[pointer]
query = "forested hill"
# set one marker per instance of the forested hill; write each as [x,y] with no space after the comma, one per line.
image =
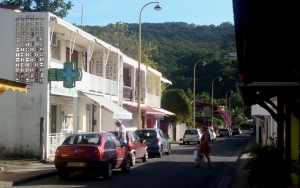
[180,46]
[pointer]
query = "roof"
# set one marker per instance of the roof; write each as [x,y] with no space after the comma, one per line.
[11,7]
[263,45]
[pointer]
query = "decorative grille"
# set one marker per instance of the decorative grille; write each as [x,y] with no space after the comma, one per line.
[55,53]
[29,50]
[111,68]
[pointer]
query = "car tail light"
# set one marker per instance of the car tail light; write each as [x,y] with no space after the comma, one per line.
[57,153]
[184,136]
[97,153]
[156,141]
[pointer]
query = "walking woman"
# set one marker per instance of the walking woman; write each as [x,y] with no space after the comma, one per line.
[204,147]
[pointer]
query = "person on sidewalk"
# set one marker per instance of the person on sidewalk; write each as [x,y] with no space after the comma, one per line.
[121,132]
[204,148]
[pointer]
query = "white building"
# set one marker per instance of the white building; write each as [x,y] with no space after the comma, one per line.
[33,44]
[266,127]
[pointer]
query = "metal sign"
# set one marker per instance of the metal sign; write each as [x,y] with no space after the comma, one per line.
[69,74]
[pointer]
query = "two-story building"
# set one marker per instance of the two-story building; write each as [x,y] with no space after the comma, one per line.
[33,45]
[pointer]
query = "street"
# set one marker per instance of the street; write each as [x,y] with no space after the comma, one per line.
[175,170]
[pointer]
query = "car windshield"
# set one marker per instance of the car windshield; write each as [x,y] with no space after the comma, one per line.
[82,139]
[223,129]
[191,132]
[146,133]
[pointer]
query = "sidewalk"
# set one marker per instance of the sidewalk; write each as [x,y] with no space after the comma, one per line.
[41,170]
[28,173]
[239,177]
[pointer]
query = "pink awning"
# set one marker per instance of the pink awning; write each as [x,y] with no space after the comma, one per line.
[145,110]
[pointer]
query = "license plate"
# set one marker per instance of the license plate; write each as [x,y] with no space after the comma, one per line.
[76,164]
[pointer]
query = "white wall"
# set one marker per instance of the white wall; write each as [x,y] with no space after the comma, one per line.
[20,113]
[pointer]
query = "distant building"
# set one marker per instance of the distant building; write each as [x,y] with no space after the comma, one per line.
[231,55]
[226,23]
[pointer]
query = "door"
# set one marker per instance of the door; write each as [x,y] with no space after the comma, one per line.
[74,56]
[135,144]
[110,149]
[120,151]
[53,118]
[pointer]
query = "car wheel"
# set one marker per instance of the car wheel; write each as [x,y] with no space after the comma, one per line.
[126,167]
[108,172]
[188,143]
[160,151]
[169,150]
[183,143]
[63,174]
[132,163]
[145,158]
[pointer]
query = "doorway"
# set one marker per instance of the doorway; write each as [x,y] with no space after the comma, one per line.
[53,118]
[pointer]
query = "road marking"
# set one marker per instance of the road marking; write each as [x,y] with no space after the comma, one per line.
[224,183]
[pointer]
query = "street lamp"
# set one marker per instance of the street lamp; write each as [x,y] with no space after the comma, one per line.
[157,7]
[212,99]
[203,64]
[230,107]
[226,98]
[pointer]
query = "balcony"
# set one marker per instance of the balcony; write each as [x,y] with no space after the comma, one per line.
[128,93]
[153,100]
[91,82]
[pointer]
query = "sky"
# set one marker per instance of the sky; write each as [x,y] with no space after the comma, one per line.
[104,12]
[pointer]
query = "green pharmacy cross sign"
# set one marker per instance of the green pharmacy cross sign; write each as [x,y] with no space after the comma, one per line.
[69,74]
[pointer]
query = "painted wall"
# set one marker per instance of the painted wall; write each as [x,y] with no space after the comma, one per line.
[20,113]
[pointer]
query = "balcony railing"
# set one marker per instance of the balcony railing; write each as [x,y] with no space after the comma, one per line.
[153,100]
[91,82]
[97,84]
[128,93]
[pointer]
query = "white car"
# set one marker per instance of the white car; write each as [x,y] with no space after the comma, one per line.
[191,135]
[213,135]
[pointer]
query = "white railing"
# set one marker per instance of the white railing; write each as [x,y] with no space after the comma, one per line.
[56,139]
[153,100]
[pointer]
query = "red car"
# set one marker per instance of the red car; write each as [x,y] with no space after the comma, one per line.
[136,146]
[96,153]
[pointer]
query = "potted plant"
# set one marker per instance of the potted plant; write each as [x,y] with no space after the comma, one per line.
[268,166]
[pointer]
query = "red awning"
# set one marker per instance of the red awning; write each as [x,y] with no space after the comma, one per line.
[145,110]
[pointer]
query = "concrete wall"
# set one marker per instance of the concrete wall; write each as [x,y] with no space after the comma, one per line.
[176,132]
[20,113]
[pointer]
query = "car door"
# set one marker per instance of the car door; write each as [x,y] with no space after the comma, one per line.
[110,150]
[141,146]
[134,144]
[121,151]
[165,139]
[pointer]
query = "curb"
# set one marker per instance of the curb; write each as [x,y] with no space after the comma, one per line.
[4,184]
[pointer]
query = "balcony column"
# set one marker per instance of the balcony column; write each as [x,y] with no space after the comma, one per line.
[75,114]
[133,83]
[120,80]
[104,60]
[144,86]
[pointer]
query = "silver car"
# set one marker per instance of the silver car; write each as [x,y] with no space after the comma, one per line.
[191,135]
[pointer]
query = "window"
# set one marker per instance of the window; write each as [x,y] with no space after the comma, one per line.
[132,137]
[74,57]
[116,141]
[109,143]
[146,133]
[82,139]
[191,132]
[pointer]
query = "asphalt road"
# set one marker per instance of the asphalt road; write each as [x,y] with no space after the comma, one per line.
[175,170]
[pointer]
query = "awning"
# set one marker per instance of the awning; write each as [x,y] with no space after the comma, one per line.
[166,112]
[118,111]
[12,85]
[146,110]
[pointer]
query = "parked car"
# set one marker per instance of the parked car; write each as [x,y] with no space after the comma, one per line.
[136,146]
[157,141]
[225,132]
[96,153]
[236,131]
[191,135]
[213,135]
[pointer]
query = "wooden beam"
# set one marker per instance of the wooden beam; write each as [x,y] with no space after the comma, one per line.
[273,114]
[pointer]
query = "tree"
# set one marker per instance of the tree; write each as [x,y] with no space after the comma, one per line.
[176,101]
[57,7]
